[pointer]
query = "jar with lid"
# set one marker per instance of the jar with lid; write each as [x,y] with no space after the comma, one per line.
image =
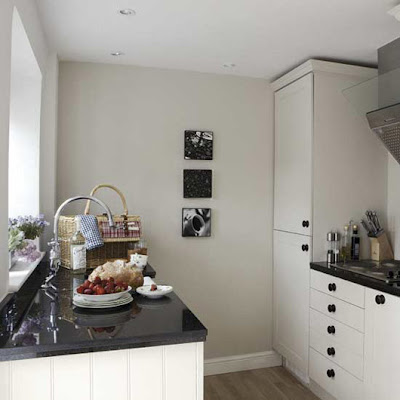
[139,247]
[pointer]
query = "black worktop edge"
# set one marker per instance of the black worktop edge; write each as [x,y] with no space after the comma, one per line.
[22,353]
[362,280]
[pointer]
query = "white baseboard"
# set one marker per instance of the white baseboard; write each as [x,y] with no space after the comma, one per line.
[244,362]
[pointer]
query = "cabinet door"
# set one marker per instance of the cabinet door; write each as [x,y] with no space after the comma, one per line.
[291,297]
[382,333]
[293,157]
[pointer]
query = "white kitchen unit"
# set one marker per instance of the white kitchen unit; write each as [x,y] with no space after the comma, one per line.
[350,360]
[152,373]
[382,355]
[291,276]
[293,157]
[337,315]
[323,178]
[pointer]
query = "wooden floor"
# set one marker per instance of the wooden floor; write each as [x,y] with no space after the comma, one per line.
[260,384]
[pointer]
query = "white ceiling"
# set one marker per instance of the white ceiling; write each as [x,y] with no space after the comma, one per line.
[264,38]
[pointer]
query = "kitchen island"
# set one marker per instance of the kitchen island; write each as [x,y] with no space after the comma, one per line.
[51,350]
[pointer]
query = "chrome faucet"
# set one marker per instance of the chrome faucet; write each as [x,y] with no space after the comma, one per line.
[55,252]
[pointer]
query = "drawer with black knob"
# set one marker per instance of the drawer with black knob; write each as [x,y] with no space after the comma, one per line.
[334,379]
[339,288]
[337,309]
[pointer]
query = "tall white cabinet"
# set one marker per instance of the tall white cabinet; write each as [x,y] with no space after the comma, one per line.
[323,178]
[293,219]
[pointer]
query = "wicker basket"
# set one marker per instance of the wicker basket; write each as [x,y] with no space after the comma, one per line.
[115,241]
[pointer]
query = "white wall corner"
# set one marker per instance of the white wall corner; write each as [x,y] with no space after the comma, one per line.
[244,362]
[48,146]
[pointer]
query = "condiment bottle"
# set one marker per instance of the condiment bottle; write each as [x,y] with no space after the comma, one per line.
[78,249]
[355,244]
[346,245]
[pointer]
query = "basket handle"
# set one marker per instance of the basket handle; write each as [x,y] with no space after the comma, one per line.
[94,190]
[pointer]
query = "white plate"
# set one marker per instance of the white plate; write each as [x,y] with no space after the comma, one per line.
[81,298]
[82,302]
[93,298]
[161,291]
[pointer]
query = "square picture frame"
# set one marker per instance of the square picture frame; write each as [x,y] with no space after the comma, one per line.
[199,145]
[197,183]
[196,222]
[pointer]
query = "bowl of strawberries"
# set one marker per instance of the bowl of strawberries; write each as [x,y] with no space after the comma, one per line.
[101,290]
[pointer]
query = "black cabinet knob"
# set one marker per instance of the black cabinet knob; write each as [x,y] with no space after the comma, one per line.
[306,224]
[331,329]
[330,351]
[332,287]
[304,247]
[331,308]
[380,299]
[330,373]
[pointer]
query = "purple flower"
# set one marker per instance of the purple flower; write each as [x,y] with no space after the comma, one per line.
[29,253]
[32,227]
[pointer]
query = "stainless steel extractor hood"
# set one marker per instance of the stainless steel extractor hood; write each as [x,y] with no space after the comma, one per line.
[385,120]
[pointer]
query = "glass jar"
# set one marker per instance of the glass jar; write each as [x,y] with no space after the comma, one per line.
[139,247]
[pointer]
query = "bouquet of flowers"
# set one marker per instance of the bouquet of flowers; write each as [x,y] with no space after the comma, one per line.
[32,227]
[21,233]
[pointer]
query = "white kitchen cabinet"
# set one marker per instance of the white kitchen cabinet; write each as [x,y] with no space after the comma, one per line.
[323,152]
[337,359]
[291,297]
[317,135]
[382,354]
[293,161]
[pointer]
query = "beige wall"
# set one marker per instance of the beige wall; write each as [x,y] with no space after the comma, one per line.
[124,125]
[30,19]
[394,204]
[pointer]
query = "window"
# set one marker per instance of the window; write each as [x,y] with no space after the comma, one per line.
[24,144]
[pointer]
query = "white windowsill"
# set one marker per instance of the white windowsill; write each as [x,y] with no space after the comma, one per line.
[20,272]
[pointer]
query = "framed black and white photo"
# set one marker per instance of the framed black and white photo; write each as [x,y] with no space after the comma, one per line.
[196,222]
[197,183]
[198,145]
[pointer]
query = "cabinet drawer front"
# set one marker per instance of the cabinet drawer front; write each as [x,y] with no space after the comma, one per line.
[341,311]
[343,385]
[339,288]
[338,353]
[341,334]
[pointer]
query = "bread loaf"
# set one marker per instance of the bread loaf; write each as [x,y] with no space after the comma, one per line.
[120,272]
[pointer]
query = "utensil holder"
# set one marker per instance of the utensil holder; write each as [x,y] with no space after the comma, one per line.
[381,248]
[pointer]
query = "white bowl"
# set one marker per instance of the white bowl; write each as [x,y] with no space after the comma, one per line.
[101,298]
[161,291]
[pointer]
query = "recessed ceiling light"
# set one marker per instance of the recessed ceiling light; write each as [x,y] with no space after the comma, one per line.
[229,65]
[127,11]
[117,53]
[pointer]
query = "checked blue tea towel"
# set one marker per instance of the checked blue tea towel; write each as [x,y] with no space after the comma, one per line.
[90,231]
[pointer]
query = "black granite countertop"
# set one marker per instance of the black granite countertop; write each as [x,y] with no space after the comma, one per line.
[363,280]
[35,325]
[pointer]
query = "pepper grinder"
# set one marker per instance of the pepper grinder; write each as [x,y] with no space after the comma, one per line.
[333,254]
